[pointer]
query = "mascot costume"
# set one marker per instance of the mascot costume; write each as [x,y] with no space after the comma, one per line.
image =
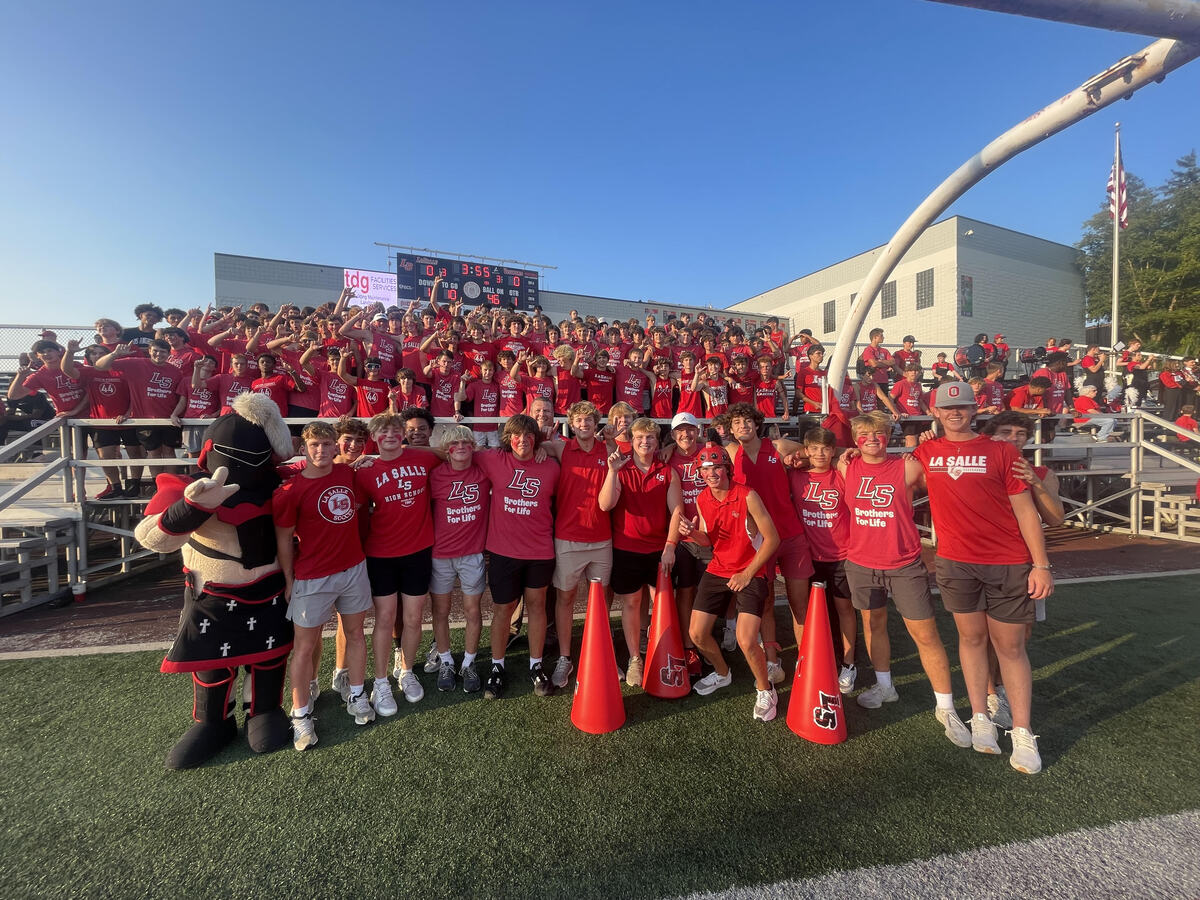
[234,612]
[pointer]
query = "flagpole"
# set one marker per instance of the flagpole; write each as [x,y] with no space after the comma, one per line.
[1115,205]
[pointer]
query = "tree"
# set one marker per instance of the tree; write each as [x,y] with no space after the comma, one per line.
[1160,262]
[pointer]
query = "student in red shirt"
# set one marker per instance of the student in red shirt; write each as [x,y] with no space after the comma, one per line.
[907,354]
[197,401]
[582,529]
[66,391]
[879,362]
[942,366]
[319,507]
[484,396]
[662,390]
[988,531]
[372,391]
[406,393]
[818,493]
[632,381]
[533,375]
[642,492]
[108,398]
[883,556]
[691,397]
[399,550]
[769,394]
[521,543]
[568,388]
[685,576]
[715,386]
[740,381]
[908,398]
[1186,420]
[461,493]
[153,385]
[600,381]
[732,520]
[276,385]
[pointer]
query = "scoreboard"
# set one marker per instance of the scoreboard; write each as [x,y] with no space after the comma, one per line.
[476,284]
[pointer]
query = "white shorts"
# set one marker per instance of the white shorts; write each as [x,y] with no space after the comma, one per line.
[314,599]
[485,439]
[467,569]
[574,560]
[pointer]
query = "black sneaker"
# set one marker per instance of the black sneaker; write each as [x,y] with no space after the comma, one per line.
[541,682]
[494,689]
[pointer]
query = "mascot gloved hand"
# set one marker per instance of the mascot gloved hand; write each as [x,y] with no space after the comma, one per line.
[234,613]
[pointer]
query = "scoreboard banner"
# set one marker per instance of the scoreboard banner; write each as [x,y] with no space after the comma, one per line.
[370,287]
[476,284]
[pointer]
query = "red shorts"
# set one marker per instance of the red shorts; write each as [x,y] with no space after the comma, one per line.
[792,559]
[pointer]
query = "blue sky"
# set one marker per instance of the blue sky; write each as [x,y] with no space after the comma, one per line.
[684,152]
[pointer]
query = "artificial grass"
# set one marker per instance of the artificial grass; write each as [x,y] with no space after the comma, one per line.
[456,796]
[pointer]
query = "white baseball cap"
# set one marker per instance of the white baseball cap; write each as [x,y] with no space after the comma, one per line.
[684,419]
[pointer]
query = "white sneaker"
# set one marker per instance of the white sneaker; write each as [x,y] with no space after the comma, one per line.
[729,640]
[411,687]
[359,707]
[765,705]
[775,673]
[958,733]
[382,699]
[877,695]
[304,731]
[983,735]
[341,683]
[397,670]
[999,710]
[846,678]
[712,682]
[314,690]
[433,659]
[1025,757]
[562,672]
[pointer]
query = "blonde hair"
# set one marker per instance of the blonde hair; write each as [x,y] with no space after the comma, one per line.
[583,408]
[876,420]
[457,433]
[620,408]
[644,425]
[564,354]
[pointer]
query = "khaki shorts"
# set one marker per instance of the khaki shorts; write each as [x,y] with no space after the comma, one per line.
[908,585]
[314,599]
[574,561]
[1001,591]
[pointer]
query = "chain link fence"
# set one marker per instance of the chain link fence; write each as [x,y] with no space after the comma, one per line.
[17,339]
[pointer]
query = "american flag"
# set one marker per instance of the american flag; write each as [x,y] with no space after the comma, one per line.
[1118,202]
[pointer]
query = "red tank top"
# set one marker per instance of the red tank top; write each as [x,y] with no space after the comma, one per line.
[767,477]
[882,532]
[727,523]
[689,400]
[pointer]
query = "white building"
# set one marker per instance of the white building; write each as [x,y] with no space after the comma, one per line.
[961,278]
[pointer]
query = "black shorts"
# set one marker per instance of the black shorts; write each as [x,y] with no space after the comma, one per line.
[713,596]
[401,574]
[914,429]
[834,575]
[156,436]
[300,412]
[687,569]
[112,437]
[631,571]
[508,578]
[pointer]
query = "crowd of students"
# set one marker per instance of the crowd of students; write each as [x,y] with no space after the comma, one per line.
[511,505]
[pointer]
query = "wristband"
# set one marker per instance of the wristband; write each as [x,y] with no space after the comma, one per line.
[672,543]
[1046,568]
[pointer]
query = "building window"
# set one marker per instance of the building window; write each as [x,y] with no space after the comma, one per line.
[925,289]
[830,316]
[888,300]
[966,296]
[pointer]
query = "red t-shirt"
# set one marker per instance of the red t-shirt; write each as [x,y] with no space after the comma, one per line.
[600,384]
[909,396]
[765,395]
[727,523]
[1056,394]
[1186,422]
[631,384]
[882,534]
[277,387]
[568,390]
[880,373]
[108,392]
[969,486]
[486,397]
[536,388]
[65,393]
[336,398]
[690,482]
[819,498]
[512,397]
[460,510]
[1021,399]
[475,354]
[521,518]
[1086,406]
[444,387]
[152,388]
[641,516]
[741,390]
[661,398]
[718,397]
[401,400]
[227,387]
[184,360]
[201,401]
[994,392]
[372,397]
[401,520]
[580,478]
[384,347]
[324,513]
[767,477]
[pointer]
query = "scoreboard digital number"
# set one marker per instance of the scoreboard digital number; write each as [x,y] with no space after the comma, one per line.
[476,284]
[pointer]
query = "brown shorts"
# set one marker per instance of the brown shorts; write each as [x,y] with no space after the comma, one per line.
[908,585]
[1000,591]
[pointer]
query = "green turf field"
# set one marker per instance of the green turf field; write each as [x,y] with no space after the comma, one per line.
[459,797]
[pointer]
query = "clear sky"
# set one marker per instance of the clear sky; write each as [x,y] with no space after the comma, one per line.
[693,152]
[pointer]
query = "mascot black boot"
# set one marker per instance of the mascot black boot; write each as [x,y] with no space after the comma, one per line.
[234,613]
[267,726]
[215,725]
